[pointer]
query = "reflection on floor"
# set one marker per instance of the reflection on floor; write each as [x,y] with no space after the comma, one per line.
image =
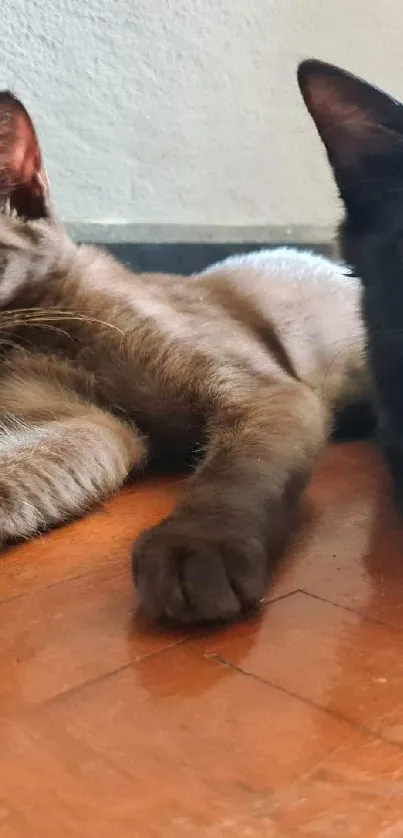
[290,724]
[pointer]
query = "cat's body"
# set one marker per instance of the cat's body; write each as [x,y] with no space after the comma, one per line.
[151,340]
[246,364]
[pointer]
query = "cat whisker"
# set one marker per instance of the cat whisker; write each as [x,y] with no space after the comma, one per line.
[36,317]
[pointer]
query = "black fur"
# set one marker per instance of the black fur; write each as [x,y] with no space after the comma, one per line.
[362,130]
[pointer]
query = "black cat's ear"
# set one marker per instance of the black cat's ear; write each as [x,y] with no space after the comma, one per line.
[361,128]
[23,182]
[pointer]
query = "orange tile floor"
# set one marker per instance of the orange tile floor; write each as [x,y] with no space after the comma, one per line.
[290,724]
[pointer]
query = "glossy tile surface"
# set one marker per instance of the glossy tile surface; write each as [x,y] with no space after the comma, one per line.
[290,724]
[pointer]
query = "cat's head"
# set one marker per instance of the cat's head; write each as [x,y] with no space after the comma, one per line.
[24,188]
[33,244]
[362,130]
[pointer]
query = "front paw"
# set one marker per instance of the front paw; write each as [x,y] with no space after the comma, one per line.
[190,571]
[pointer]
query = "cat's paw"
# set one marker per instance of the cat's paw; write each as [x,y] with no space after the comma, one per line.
[190,572]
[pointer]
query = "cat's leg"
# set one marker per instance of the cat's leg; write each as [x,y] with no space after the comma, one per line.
[212,558]
[58,467]
[390,438]
[385,357]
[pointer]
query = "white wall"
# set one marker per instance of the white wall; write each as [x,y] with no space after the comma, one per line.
[187,111]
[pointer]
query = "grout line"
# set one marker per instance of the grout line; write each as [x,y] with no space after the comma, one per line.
[278,598]
[106,675]
[354,725]
[32,592]
[368,618]
[91,571]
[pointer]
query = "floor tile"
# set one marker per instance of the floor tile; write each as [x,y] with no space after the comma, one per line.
[289,724]
[176,745]
[102,538]
[356,793]
[71,633]
[349,548]
[328,655]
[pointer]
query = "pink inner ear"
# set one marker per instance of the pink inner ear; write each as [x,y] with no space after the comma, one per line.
[25,160]
[333,111]
[345,125]
[343,117]
[23,183]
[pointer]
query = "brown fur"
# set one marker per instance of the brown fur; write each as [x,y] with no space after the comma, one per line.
[102,370]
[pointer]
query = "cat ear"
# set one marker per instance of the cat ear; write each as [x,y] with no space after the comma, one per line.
[361,128]
[23,182]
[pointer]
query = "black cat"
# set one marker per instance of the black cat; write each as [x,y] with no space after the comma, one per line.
[362,130]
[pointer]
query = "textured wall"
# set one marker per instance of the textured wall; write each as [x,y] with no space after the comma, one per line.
[186,111]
